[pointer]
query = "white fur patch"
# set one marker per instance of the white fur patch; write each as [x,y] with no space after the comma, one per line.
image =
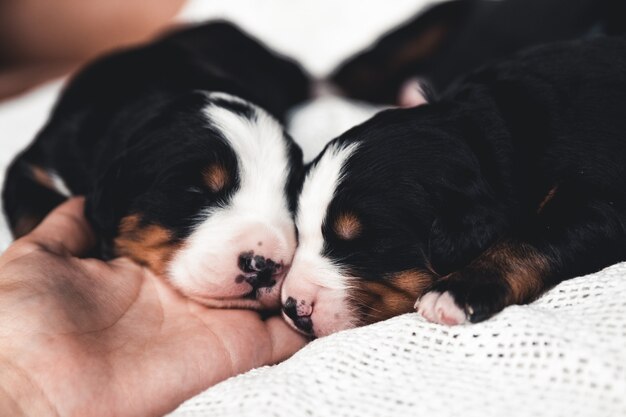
[258,210]
[262,157]
[59,185]
[315,279]
[440,308]
[317,193]
[412,94]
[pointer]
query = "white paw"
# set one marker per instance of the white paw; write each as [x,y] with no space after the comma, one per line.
[440,308]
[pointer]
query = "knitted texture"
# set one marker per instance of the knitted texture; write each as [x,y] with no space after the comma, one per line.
[563,355]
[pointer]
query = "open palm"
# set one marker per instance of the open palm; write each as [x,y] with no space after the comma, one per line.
[85,337]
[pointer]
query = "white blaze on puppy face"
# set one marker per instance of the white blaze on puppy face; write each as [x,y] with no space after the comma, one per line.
[314,278]
[256,219]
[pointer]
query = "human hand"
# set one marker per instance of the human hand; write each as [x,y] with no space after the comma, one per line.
[83,337]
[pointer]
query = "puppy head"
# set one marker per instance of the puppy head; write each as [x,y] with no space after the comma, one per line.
[385,209]
[202,197]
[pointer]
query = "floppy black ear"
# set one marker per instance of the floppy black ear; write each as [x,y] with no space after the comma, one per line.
[378,73]
[468,221]
[275,82]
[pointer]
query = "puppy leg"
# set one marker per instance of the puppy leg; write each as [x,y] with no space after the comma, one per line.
[573,234]
[508,273]
[29,195]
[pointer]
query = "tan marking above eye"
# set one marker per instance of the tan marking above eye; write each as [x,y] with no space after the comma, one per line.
[522,267]
[150,245]
[216,177]
[41,176]
[347,226]
[394,295]
[547,198]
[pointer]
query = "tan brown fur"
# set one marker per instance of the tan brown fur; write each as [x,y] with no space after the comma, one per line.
[547,199]
[394,295]
[347,226]
[216,177]
[150,245]
[41,176]
[521,266]
[421,47]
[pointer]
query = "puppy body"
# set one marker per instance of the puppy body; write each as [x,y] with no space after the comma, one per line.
[454,37]
[166,139]
[513,181]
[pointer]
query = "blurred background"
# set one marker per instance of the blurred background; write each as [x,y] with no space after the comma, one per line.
[43,39]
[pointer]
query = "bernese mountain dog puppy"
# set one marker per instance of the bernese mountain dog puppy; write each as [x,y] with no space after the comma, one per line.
[179,149]
[451,38]
[510,183]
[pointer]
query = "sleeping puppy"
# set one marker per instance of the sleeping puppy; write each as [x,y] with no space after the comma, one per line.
[451,38]
[511,183]
[186,169]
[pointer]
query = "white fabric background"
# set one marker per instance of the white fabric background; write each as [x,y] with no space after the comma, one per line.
[564,355]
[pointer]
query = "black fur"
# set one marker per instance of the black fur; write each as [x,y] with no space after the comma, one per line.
[524,163]
[128,131]
[454,37]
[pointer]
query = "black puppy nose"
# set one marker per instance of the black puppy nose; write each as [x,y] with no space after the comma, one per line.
[261,279]
[290,308]
[259,271]
[304,323]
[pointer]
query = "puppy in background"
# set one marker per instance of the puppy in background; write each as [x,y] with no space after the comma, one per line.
[451,38]
[512,182]
[179,149]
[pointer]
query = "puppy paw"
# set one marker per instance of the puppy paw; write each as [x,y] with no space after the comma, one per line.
[477,294]
[438,307]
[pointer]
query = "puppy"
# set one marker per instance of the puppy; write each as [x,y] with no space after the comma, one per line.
[186,169]
[509,184]
[454,37]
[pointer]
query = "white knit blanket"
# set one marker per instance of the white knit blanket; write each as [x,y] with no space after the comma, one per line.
[564,355]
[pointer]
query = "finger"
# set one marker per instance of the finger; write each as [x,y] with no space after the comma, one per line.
[65,230]
[285,340]
[124,267]
[123,264]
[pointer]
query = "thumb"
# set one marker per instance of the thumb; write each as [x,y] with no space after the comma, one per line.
[65,230]
[285,340]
